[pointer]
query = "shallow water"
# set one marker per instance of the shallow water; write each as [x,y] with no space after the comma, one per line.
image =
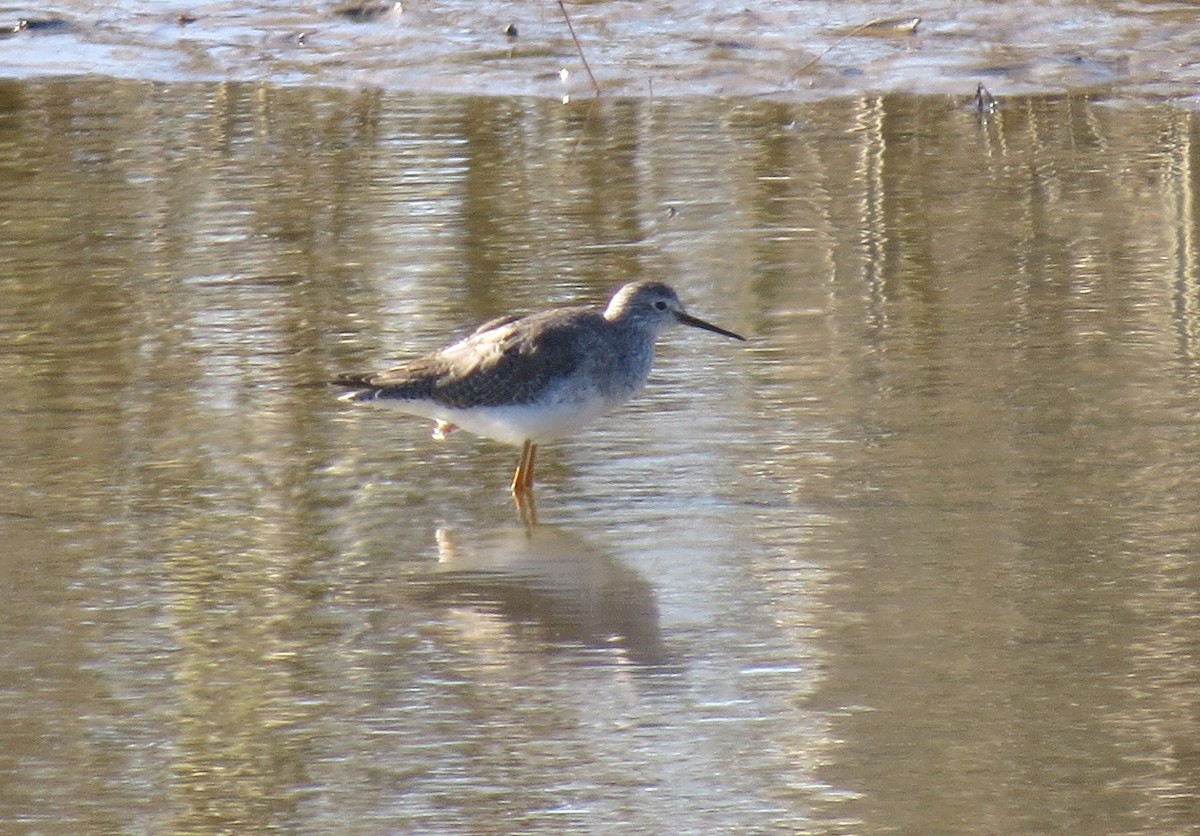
[919,557]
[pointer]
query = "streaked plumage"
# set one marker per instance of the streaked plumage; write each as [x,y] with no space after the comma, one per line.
[525,380]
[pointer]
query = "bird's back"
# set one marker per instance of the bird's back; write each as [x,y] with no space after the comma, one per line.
[508,361]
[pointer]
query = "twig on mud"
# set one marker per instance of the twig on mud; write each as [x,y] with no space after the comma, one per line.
[909,26]
[985,102]
[579,47]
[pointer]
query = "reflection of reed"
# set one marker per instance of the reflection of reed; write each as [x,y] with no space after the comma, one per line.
[553,580]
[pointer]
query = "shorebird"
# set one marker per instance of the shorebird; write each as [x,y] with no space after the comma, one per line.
[526,380]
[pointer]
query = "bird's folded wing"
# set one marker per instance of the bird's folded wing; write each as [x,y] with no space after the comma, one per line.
[505,364]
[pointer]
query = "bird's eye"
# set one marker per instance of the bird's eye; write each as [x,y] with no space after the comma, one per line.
[660,305]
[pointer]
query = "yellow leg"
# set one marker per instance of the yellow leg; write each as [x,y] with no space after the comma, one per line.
[529,469]
[523,479]
[520,474]
[522,485]
[525,508]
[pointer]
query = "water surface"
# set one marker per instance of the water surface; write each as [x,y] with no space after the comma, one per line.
[919,557]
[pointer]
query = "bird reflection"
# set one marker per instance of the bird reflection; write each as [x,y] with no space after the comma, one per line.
[549,578]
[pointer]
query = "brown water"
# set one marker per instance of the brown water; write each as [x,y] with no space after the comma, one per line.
[920,557]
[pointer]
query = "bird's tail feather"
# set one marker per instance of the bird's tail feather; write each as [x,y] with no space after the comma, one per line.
[359,384]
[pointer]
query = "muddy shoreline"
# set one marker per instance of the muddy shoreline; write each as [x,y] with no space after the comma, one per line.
[804,53]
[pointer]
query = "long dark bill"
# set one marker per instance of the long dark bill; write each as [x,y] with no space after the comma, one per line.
[688,319]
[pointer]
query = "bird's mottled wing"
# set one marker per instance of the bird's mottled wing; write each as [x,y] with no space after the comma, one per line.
[506,361]
[498,322]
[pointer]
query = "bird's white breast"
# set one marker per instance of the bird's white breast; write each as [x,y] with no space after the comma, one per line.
[538,423]
[514,423]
